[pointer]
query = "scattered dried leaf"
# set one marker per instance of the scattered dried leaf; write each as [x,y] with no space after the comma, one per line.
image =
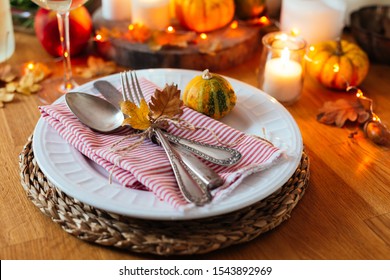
[5,97]
[38,71]
[96,66]
[138,116]
[176,39]
[166,103]
[106,33]
[6,73]
[210,47]
[340,111]
[138,33]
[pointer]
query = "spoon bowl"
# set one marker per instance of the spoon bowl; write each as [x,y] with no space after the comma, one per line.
[94,111]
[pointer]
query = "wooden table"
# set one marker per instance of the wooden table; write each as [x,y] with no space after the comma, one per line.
[345,213]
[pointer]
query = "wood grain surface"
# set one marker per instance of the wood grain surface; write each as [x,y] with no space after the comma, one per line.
[345,213]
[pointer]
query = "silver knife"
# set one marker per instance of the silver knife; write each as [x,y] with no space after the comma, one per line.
[216,154]
[206,175]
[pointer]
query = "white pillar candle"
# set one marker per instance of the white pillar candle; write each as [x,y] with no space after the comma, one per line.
[116,9]
[283,78]
[152,13]
[315,20]
[7,40]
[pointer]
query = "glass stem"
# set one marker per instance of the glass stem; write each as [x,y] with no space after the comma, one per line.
[63,27]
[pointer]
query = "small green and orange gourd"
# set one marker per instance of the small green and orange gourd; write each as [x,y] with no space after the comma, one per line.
[210,94]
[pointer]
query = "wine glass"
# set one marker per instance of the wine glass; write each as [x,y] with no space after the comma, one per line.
[62,8]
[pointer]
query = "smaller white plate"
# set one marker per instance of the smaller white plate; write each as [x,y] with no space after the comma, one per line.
[254,113]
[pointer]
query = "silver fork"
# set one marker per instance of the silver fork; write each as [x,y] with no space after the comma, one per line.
[191,174]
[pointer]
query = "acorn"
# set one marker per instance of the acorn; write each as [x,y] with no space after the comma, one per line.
[377,133]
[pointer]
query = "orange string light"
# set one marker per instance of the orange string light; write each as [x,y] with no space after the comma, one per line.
[203,36]
[295,32]
[234,24]
[30,66]
[98,37]
[170,29]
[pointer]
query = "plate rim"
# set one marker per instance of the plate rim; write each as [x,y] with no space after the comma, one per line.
[178,215]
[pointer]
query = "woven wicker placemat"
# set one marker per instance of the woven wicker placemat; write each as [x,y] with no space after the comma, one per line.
[160,237]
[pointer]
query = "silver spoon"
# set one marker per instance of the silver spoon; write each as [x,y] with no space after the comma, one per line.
[94,111]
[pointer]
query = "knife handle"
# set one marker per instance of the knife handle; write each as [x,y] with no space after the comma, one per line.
[193,189]
[216,154]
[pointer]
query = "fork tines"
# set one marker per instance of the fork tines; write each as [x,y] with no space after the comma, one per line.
[131,92]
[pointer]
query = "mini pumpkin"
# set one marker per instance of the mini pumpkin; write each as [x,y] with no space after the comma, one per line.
[337,64]
[210,94]
[204,15]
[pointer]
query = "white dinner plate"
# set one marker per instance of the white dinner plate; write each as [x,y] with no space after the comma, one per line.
[255,113]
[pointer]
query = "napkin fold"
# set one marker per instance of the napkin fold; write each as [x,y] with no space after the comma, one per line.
[147,167]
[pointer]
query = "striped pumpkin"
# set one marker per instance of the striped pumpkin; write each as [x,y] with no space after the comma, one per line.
[204,15]
[337,64]
[210,94]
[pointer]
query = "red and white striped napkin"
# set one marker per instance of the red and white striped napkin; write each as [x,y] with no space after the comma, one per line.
[147,167]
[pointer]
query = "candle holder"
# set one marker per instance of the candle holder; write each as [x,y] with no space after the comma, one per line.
[281,66]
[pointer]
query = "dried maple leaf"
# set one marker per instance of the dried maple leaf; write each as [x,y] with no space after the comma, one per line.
[138,116]
[38,72]
[105,33]
[138,33]
[210,46]
[5,97]
[340,111]
[96,66]
[6,73]
[166,102]
[176,39]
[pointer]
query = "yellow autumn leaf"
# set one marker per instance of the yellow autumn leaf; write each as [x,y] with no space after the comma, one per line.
[138,116]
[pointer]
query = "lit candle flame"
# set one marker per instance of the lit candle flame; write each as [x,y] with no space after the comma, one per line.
[170,29]
[283,37]
[203,36]
[285,54]
[131,27]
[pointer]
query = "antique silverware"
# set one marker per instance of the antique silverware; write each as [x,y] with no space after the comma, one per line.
[192,187]
[102,116]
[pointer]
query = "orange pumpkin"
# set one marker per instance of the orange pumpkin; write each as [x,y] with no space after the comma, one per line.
[204,15]
[337,64]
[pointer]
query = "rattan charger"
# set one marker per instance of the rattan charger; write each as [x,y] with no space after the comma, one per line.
[160,237]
